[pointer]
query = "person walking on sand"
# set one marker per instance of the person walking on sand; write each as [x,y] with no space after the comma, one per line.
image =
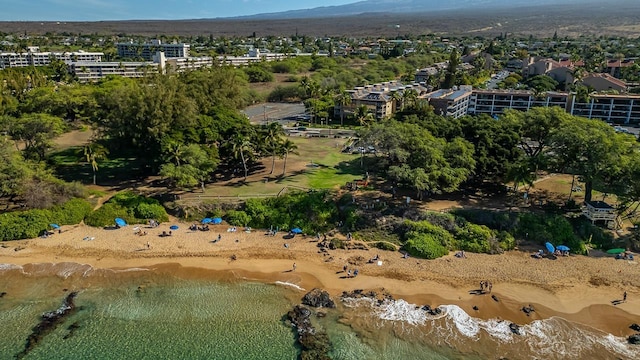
[294,266]
[624,297]
[490,287]
[148,245]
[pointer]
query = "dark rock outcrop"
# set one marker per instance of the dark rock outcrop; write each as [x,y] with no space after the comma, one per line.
[318,298]
[515,328]
[315,343]
[432,311]
[634,327]
[634,339]
[50,320]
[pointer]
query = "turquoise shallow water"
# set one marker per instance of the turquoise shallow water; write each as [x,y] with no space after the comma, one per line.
[175,313]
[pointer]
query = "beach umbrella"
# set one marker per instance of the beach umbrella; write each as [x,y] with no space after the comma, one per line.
[550,247]
[207,220]
[216,220]
[616,251]
[173,227]
[296,230]
[562,248]
[55,226]
[120,222]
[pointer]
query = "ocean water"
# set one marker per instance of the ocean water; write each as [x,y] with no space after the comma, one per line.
[169,312]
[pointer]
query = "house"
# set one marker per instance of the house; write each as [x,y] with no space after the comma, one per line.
[599,211]
[604,82]
[613,67]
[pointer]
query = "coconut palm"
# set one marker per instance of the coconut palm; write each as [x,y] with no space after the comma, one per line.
[287,147]
[363,116]
[273,141]
[343,99]
[93,153]
[409,97]
[242,147]
[396,96]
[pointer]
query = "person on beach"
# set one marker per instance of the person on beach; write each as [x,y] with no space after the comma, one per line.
[344,268]
[349,273]
[294,266]
[490,286]
[355,272]
[148,245]
[624,297]
[219,237]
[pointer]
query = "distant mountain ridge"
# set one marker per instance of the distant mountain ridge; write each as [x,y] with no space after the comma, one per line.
[420,6]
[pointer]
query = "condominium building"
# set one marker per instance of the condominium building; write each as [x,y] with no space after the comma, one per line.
[494,102]
[619,109]
[378,98]
[87,71]
[453,103]
[8,60]
[146,51]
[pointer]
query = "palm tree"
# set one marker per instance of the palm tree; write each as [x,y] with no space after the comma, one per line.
[287,147]
[273,141]
[343,99]
[363,116]
[92,153]
[409,97]
[242,145]
[396,96]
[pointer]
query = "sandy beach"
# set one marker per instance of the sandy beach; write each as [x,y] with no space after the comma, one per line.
[577,288]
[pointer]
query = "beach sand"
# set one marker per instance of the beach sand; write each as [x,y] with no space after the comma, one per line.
[577,288]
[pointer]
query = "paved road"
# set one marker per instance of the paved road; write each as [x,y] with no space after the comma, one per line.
[493,83]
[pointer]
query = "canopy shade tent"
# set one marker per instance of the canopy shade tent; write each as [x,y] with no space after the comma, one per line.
[550,247]
[616,251]
[562,248]
[207,220]
[120,222]
[296,230]
[216,220]
[55,226]
[173,227]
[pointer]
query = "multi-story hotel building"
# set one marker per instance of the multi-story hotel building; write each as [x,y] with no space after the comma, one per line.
[454,103]
[87,71]
[147,51]
[9,60]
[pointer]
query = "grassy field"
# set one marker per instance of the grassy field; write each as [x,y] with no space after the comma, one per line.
[319,164]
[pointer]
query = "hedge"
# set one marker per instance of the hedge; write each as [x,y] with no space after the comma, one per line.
[32,223]
[424,246]
[132,208]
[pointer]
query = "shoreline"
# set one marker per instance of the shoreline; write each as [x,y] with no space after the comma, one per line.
[422,282]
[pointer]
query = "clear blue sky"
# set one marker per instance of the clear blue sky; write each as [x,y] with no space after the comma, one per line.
[78,10]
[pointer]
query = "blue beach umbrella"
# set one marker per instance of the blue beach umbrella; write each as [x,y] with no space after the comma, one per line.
[216,220]
[55,226]
[562,248]
[120,222]
[550,247]
[207,220]
[296,230]
[173,227]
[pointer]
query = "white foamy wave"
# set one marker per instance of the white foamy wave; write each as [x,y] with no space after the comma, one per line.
[63,270]
[129,270]
[466,325]
[401,310]
[284,283]
[10,267]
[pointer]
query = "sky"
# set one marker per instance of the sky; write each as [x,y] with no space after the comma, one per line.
[93,10]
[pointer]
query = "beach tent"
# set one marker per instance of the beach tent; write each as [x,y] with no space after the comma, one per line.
[563,248]
[550,247]
[173,227]
[216,220]
[296,231]
[55,226]
[120,222]
[616,251]
[207,220]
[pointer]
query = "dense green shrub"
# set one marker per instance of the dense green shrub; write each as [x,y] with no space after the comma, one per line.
[313,211]
[150,211]
[336,243]
[444,220]
[437,233]
[424,246]
[32,223]
[238,218]
[384,245]
[106,214]
[506,241]
[475,238]
[133,208]
[498,220]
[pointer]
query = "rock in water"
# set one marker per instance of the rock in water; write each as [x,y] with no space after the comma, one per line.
[514,328]
[50,320]
[318,298]
[634,327]
[634,339]
[315,343]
